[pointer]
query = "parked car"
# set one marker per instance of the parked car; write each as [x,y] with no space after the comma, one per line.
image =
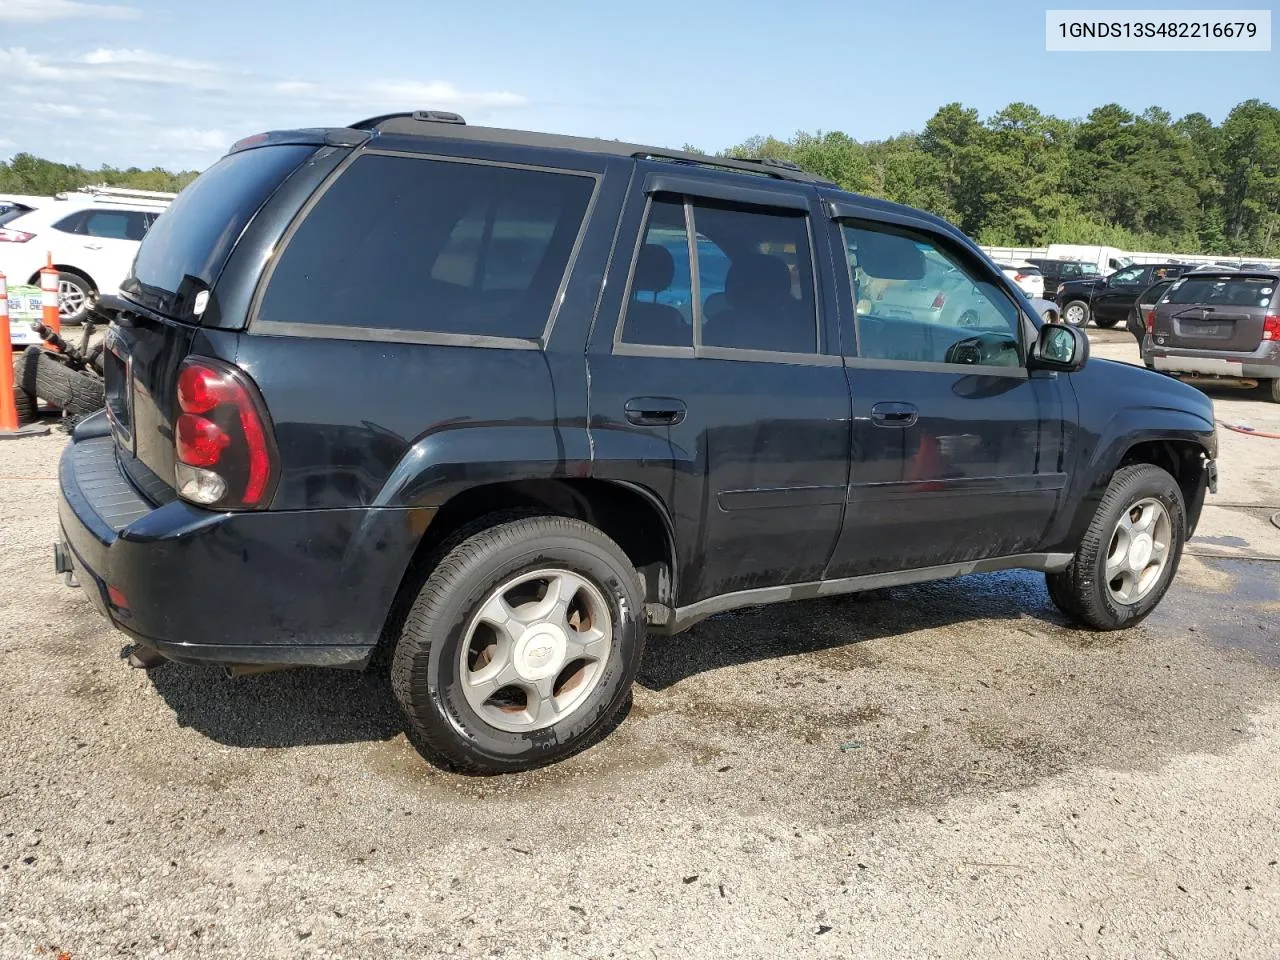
[1056,272]
[1140,316]
[434,399]
[92,238]
[1026,275]
[1225,325]
[1107,300]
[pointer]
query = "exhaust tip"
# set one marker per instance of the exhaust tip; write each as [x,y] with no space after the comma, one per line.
[146,658]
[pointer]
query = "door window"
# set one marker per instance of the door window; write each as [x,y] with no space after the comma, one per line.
[917,299]
[755,279]
[1127,277]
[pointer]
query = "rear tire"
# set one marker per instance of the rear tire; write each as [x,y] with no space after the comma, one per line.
[1076,313]
[1271,390]
[1084,592]
[449,643]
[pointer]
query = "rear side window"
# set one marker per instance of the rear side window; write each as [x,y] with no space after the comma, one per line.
[432,246]
[107,224]
[195,235]
[8,213]
[1224,291]
[755,279]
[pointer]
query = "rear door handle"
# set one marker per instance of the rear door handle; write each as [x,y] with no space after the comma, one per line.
[93,246]
[654,411]
[891,413]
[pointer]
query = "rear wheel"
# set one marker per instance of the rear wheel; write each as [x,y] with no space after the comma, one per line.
[521,647]
[1076,313]
[1129,554]
[1271,390]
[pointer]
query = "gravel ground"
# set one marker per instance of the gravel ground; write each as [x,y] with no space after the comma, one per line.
[936,771]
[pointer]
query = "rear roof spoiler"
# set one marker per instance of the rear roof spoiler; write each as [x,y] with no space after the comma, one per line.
[318,136]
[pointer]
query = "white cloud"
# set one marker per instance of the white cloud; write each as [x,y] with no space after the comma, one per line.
[36,11]
[17,62]
[104,57]
[6,144]
[56,109]
[192,140]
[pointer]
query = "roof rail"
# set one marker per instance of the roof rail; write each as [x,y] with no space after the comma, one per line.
[124,193]
[428,116]
[766,166]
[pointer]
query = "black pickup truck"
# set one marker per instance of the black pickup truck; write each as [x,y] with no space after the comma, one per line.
[1107,300]
[499,403]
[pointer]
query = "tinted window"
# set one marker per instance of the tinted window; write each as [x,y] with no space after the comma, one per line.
[72,223]
[8,213]
[755,280]
[660,304]
[758,292]
[195,234]
[918,300]
[114,224]
[1224,291]
[433,246]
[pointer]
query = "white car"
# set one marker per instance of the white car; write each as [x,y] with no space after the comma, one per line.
[91,236]
[1027,276]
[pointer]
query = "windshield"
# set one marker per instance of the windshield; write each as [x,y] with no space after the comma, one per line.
[1224,291]
[189,244]
[1089,269]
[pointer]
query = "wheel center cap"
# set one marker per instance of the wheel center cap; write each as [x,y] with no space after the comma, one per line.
[540,651]
[1140,551]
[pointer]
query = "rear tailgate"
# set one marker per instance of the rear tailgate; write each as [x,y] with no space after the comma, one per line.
[171,300]
[1215,313]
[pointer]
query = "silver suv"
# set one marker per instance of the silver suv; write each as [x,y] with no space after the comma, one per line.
[1220,324]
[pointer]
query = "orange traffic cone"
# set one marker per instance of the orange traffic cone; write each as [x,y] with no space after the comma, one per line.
[49,298]
[9,426]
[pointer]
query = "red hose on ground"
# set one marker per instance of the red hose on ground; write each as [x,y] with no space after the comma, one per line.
[1250,431]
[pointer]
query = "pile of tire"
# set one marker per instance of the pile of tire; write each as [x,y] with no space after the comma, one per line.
[39,373]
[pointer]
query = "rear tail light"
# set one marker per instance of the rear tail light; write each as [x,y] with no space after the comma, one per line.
[1151,321]
[939,302]
[226,456]
[14,236]
[1271,326]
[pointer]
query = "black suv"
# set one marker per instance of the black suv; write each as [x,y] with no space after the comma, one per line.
[1060,271]
[1108,300]
[499,402]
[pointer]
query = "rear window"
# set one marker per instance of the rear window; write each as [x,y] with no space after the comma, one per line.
[191,241]
[8,213]
[1223,291]
[431,246]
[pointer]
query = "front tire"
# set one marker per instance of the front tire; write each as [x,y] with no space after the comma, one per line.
[521,647]
[1105,324]
[1076,313]
[1129,554]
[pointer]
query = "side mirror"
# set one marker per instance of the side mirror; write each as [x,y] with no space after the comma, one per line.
[1059,347]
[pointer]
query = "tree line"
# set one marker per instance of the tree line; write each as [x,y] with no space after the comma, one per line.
[27,174]
[1137,181]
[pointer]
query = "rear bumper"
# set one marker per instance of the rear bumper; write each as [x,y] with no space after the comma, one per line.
[1261,364]
[271,587]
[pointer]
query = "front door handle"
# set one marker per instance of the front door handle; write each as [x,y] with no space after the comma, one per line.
[891,413]
[655,411]
[93,246]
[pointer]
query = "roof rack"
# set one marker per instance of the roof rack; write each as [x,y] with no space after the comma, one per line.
[119,194]
[423,123]
[432,116]
[764,166]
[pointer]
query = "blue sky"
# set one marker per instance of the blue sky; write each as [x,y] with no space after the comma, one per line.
[147,82]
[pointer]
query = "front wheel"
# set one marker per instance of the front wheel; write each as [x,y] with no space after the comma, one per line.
[76,297]
[1105,324]
[1076,313]
[521,647]
[1129,554]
